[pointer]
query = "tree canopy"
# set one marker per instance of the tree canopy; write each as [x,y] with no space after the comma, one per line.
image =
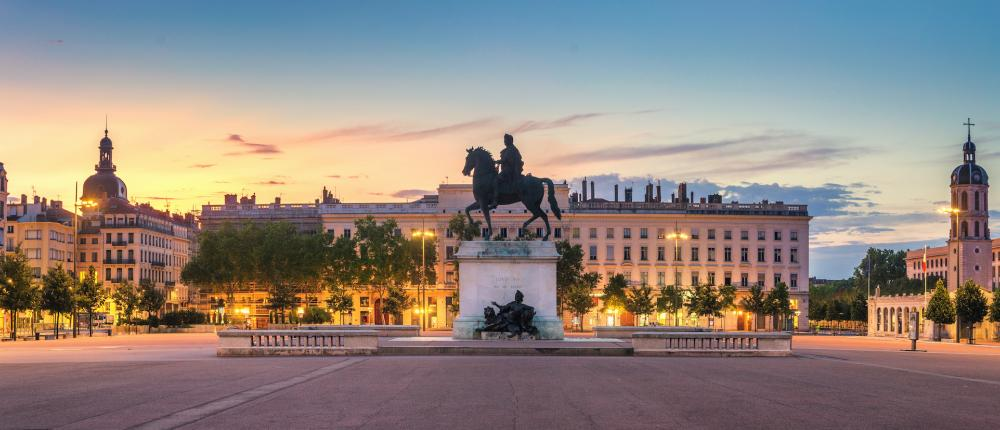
[940,308]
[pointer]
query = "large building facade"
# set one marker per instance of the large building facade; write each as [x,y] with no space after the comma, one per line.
[679,241]
[969,255]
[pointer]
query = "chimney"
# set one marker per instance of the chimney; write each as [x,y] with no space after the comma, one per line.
[45,203]
[584,189]
[616,192]
[593,195]
[24,199]
[692,197]
[682,191]
[701,201]
[57,204]
[628,194]
[37,200]
[673,198]
[659,195]
[277,201]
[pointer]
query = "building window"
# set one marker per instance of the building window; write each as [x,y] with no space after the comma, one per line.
[661,278]
[761,235]
[643,233]
[744,280]
[347,233]
[627,253]
[503,232]
[661,253]
[626,233]
[538,232]
[727,254]
[449,252]
[744,235]
[448,233]
[711,278]
[727,235]
[83,257]
[777,255]
[694,253]
[644,253]
[777,279]
[449,277]
[576,232]
[794,281]
[793,255]
[793,235]
[33,235]
[711,234]
[610,234]
[593,233]
[760,255]
[131,273]
[711,253]
[744,255]
[593,253]
[694,233]
[609,253]
[694,278]
[364,302]
[107,274]
[760,279]
[643,278]
[661,233]
[728,280]
[777,235]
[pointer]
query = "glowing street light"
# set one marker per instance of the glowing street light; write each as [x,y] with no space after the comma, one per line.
[423,234]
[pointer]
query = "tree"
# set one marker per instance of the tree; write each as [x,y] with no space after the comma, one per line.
[462,229]
[778,304]
[340,301]
[704,302]
[316,315]
[89,296]
[639,301]
[17,293]
[970,305]
[569,269]
[382,258]
[671,301]
[127,299]
[151,300]
[859,308]
[396,301]
[579,298]
[940,308]
[57,293]
[755,303]
[614,293]
[995,309]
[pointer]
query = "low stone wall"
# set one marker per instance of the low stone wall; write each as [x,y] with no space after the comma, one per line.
[197,328]
[721,344]
[382,330]
[625,332]
[253,343]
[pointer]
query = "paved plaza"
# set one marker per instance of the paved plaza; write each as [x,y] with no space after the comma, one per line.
[175,381]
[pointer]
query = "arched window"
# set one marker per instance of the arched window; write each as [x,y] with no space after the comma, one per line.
[965,200]
[976,229]
[965,229]
[954,228]
[878,319]
[976,200]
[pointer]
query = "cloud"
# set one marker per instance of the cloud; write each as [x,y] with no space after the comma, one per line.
[54,41]
[347,177]
[411,193]
[250,147]
[565,121]
[201,166]
[270,182]
[387,133]
[630,152]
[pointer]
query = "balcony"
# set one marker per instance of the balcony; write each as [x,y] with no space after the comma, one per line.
[158,264]
[169,284]
[119,243]
[119,261]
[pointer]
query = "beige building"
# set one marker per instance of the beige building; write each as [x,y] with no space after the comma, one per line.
[969,254]
[130,242]
[44,231]
[680,241]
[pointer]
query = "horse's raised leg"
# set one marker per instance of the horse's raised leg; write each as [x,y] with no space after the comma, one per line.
[534,216]
[470,208]
[545,219]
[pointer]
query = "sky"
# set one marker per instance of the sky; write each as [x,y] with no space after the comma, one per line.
[854,108]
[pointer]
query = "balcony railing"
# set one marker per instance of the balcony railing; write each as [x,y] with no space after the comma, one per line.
[119,243]
[158,263]
[119,261]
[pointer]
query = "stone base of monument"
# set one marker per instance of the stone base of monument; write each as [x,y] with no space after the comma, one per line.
[503,335]
[493,271]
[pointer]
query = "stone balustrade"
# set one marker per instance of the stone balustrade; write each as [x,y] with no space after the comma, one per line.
[383,330]
[626,332]
[722,344]
[240,343]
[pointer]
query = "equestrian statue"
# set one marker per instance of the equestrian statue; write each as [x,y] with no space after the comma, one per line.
[492,188]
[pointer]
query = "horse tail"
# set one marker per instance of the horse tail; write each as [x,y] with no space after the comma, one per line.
[552,198]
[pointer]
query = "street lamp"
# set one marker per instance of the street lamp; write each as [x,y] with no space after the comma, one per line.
[958,233]
[77,206]
[423,234]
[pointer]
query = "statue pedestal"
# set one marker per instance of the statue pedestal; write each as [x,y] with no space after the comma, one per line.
[492,271]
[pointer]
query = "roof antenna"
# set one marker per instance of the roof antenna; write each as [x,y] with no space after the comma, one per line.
[105,125]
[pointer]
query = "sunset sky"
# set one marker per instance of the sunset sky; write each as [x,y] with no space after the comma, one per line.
[855,108]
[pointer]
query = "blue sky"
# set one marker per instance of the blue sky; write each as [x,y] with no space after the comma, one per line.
[852,107]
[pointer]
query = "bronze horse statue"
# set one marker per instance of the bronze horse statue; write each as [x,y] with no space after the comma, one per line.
[526,189]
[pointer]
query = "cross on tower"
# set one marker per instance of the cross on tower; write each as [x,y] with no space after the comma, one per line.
[968,124]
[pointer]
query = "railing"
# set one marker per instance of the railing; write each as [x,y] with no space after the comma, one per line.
[383,330]
[119,243]
[119,261]
[296,342]
[158,263]
[714,343]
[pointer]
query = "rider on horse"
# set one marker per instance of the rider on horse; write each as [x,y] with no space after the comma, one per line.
[511,168]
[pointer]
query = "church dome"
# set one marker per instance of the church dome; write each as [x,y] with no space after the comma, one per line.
[104,185]
[969,173]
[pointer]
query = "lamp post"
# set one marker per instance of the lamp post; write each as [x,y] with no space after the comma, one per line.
[677,236]
[958,233]
[77,206]
[423,234]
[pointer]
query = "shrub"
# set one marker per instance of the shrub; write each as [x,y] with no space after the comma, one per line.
[183,318]
[315,315]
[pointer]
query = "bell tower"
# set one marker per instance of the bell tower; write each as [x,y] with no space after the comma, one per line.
[969,244]
[3,209]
